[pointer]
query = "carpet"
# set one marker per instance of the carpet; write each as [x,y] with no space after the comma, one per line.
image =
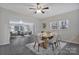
[47,51]
[70,49]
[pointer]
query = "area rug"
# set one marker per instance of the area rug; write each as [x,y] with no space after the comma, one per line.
[70,49]
[47,51]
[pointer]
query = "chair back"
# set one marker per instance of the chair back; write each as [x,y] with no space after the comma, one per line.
[54,39]
[39,38]
[36,38]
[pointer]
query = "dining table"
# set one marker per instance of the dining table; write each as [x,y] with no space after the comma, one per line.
[46,36]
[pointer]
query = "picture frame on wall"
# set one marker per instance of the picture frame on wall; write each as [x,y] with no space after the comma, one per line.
[63,24]
[43,25]
[54,25]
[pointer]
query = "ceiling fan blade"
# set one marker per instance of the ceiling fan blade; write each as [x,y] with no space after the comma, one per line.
[43,12]
[46,8]
[35,12]
[38,3]
[32,8]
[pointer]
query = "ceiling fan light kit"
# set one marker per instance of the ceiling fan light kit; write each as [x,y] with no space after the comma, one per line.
[38,11]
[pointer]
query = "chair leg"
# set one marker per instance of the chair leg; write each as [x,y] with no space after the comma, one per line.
[52,47]
[34,45]
[55,44]
[58,43]
[38,47]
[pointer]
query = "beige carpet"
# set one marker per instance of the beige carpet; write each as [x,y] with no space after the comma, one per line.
[47,51]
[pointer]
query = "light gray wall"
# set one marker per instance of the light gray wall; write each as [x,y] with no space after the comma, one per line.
[5,17]
[67,35]
[4,36]
[73,31]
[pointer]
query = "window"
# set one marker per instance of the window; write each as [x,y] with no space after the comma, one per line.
[22,26]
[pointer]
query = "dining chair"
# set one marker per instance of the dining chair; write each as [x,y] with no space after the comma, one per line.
[37,41]
[54,41]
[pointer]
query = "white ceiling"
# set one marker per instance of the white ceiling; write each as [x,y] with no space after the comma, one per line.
[54,8]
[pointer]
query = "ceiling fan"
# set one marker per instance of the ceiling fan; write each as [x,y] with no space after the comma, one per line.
[39,8]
